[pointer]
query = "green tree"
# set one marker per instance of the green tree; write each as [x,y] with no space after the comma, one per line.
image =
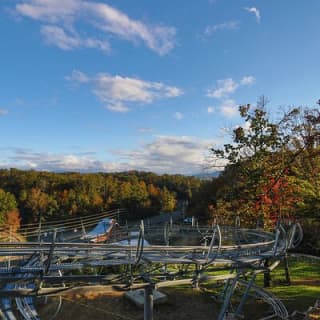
[8,203]
[258,159]
[40,204]
[168,200]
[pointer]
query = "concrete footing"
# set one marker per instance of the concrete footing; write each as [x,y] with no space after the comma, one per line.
[137,297]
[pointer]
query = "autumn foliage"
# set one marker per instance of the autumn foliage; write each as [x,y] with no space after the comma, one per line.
[272,172]
[13,220]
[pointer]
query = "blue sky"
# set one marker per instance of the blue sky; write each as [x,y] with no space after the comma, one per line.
[147,85]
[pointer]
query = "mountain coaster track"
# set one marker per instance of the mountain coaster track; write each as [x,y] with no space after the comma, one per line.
[44,268]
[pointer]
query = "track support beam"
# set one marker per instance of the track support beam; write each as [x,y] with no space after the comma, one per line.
[148,302]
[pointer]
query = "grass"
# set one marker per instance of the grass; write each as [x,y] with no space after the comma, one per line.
[187,303]
[301,268]
[300,295]
[297,297]
[305,287]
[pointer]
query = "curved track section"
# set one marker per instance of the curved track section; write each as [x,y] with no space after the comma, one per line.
[41,267]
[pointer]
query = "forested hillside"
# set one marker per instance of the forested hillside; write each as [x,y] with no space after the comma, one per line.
[25,195]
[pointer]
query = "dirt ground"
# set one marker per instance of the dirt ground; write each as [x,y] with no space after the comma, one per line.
[181,304]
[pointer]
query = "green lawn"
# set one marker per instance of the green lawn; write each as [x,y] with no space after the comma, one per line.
[302,293]
[305,287]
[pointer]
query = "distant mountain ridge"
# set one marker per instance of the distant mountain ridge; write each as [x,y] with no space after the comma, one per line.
[206,175]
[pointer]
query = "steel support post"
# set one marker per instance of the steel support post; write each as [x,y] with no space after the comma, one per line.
[50,254]
[286,269]
[245,296]
[266,275]
[40,225]
[148,303]
[197,277]
[227,298]
[10,240]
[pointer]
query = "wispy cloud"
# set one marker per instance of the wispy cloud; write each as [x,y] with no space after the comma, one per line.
[254,11]
[178,115]
[117,106]
[145,130]
[118,92]
[63,21]
[228,86]
[211,110]
[78,77]
[3,112]
[224,88]
[229,25]
[247,80]
[65,40]
[229,108]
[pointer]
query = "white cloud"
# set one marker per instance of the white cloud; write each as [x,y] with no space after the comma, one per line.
[173,154]
[3,112]
[106,20]
[255,11]
[28,159]
[117,107]
[118,91]
[50,10]
[172,92]
[224,88]
[78,77]
[57,36]
[111,20]
[178,115]
[247,80]
[145,130]
[164,154]
[230,25]
[211,110]
[229,108]
[118,88]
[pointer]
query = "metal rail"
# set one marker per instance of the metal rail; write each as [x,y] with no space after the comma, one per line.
[38,262]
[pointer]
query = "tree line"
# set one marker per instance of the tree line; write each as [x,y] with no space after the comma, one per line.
[27,195]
